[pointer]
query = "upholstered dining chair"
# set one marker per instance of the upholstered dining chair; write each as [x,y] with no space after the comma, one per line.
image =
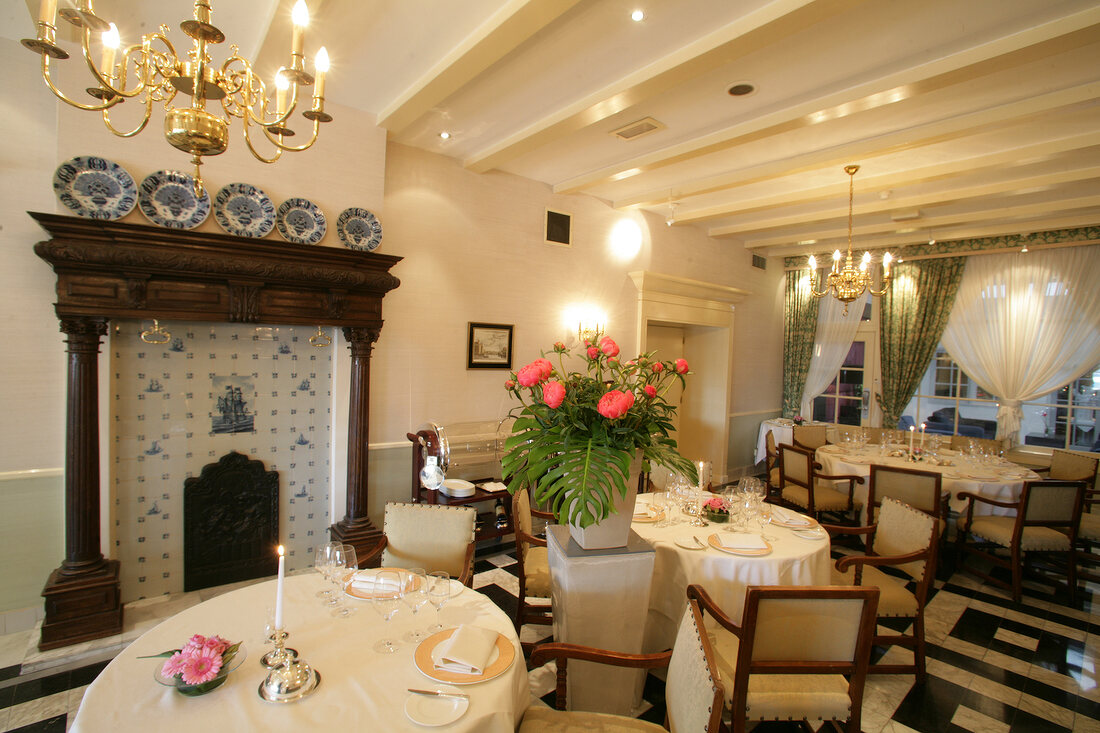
[1069,466]
[990,445]
[1046,521]
[800,484]
[771,464]
[693,690]
[429,536]
[810,437]
[1088,537]
[532,562]
[903,538]
[788,657]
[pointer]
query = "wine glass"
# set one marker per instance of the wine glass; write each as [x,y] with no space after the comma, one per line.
[439,592]
[386,600]
[764,516]
[343,574]
[659,503]
[416,597]
[322,563]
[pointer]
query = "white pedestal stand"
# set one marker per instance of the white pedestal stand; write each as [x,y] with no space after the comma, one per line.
[601,599]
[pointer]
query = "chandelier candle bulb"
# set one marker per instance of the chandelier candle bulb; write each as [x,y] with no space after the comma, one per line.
[281,85]
[47,12]
[111,42]
[279,590]
[320,64]
[300,17]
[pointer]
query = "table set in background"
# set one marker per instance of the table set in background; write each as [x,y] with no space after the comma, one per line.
[358,687]
[783,428]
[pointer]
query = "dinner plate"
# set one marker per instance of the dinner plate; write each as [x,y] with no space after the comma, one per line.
[412,584]
[505,654]
[688,543]
[244,210]
[167,198]
[831,449]
[814,533]
[809,522]
[300,221]
[976,476]
[95,187]
[433,711]
[648,518]
[359,229]
[717,544]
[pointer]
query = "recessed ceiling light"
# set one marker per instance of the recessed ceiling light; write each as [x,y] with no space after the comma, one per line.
[445,135]
[741,89]
[637,16]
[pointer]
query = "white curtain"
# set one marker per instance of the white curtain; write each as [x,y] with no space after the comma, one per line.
[832,341]
[1024,325]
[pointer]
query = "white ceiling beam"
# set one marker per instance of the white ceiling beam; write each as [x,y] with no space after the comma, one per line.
[765,26]
[944,130]
[514,23]
[1051,38]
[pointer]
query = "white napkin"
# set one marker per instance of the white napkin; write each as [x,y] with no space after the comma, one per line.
[493,486]
[741,541]
[371,583]
[467,651]
[787,517]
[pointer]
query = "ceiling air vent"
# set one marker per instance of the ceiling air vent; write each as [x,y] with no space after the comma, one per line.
[760,262]
[638,129]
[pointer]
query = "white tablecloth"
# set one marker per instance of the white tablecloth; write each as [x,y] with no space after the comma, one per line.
[784,432]
[1002,480]
[793,561]
[360,689]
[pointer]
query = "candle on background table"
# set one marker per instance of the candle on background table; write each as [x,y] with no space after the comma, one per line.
[912,429]
[922,436]
[279,590]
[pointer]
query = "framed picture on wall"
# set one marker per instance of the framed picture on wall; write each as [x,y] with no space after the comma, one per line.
[489,346]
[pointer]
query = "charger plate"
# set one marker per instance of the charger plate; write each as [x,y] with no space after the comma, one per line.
[366,595]
[717,544]
[648,518]
[810,522]
[506,653]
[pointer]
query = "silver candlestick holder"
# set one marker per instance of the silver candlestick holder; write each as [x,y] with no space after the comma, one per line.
[291,678]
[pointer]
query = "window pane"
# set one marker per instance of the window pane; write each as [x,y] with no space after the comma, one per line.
[848,411]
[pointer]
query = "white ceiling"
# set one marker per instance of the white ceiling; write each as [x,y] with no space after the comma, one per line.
[969,118]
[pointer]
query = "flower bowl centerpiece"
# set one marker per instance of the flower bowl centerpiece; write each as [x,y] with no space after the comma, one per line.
[201,666]
[798,419]
[577,434]
[715,510]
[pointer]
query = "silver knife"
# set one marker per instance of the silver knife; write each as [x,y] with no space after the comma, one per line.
[439,693]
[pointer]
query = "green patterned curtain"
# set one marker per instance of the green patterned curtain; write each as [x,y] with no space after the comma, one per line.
[799,327]
[913,315]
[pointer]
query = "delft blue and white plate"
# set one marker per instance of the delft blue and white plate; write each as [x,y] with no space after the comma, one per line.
[167,198]
[244,210]
[95,187]
[359,229]
[300,221]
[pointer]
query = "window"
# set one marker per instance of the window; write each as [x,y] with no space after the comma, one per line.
[842,400]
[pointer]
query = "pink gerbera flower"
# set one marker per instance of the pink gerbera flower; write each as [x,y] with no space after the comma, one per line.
[174,665]
[202,667]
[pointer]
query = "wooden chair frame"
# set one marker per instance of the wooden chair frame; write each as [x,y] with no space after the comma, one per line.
[771,462]
[1015,563]
[813,474]
[915,640]
[561,653]
[856,671]
[811,429]
[528,613]
[1088,550]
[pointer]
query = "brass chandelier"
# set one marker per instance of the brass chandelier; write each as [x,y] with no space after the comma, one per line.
[848,282]
[151,71]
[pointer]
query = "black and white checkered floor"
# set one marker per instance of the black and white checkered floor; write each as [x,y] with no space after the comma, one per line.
[993,665]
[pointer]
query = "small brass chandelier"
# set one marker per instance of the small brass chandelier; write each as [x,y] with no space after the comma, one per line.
[151,71]
[850,282]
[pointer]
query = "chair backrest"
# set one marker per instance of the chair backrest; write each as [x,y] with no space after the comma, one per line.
[429,536]
[1069,466]
[810,436]
[805,630]
[1051,504]
[902,529]
[521,520]
[770,449]
[796,466]
[875,435]
[919,489]
[693,692]
[991,445]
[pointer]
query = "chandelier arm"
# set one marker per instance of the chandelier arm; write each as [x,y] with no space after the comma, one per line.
[885,288]
[252,148]
[252,92]
[293,148]
[107,104]
[141,125]
[813,292]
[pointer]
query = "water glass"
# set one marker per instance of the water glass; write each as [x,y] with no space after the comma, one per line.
[322,563]
[386,604]
[416,597]
[343,574]
[439,592]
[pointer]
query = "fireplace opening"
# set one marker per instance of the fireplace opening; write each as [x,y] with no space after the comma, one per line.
[230,523]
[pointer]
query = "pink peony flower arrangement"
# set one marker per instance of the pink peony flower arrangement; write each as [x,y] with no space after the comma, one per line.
[716,504]
[577,432]
[201,665]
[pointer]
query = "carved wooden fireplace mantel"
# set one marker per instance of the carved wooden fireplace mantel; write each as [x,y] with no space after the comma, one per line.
[114,270]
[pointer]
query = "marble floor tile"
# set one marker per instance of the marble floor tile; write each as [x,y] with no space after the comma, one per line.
[1066,631]
[995,690]
[1046,710]
[32,711]
[895,727]
[1021,640]
[976,722]
[964,647]
[948,672]
[1012,664]
[13,647]
[1085,724]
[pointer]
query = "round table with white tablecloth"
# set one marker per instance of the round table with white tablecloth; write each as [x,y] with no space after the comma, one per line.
[998,479]
[792,561]
[360,689]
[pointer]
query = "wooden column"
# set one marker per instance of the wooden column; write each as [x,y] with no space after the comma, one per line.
[86,587]
[356,528]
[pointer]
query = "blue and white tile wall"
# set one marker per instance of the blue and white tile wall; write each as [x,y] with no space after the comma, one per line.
[211,389]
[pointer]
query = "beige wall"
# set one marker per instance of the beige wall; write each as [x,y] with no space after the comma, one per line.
[473,250]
